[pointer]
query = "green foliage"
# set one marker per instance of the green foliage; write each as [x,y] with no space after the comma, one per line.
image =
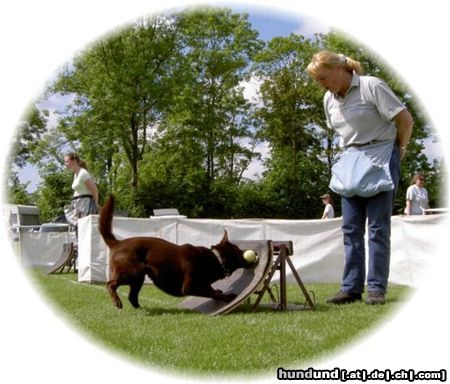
[119,85]
[32,127]
[157,109]
[54,194]
[16,193]
[292,115]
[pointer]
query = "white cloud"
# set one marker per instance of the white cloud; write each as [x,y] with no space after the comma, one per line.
[29,174]
[433,149]
[251,89]
[256,167]
[57,102]
[309,27]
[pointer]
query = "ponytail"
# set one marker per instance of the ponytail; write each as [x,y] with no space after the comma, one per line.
[327,59]
[82,164]
[74,156]
[353,66]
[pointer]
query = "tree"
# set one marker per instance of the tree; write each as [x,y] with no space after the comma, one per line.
[54,193]
[30,130]
[16,192]
[291,113]
[436,179]
[207,134]
[119,84]
[217,47]
[157,110]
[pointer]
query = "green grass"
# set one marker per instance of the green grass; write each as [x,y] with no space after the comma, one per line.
[160,334]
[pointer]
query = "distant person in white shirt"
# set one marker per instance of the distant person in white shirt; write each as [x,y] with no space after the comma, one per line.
[328,212]
[416,196]
[85,197]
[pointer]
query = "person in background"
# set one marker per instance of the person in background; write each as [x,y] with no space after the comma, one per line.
[416,196]
[85,197]
[328,212]
[363,110]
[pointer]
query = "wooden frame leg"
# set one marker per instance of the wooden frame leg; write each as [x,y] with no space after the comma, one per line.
[280,264]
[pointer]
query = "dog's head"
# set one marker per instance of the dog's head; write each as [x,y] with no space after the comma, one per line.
[232,256]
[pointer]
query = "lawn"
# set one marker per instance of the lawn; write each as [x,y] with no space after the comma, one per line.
[160,334]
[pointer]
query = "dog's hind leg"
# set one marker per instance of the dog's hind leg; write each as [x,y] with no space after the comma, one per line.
[135,287]
[112,286]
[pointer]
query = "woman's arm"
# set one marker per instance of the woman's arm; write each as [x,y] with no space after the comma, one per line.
[89,183]
[408,207]
[404,123]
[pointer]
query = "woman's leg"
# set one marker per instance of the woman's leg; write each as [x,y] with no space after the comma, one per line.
[353,228]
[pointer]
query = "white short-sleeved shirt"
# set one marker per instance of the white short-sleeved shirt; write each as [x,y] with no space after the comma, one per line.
[365,113]
[419,199]
[78,183]
[328,211]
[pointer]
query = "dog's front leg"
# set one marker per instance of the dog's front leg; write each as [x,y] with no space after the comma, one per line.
[215,294]
[190,289]
[219,295]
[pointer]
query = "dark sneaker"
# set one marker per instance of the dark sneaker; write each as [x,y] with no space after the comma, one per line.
[375,297]
[344,298]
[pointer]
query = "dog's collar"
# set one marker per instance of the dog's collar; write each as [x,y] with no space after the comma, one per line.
[219,258]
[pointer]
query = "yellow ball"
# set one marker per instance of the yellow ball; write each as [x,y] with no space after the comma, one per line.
[250,256]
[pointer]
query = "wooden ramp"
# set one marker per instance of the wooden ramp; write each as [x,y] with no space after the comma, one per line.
[243,282]
[66,261]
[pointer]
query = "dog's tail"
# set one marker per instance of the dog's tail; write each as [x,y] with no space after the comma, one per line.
[105,223]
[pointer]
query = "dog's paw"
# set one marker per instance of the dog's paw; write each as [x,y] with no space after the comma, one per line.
[229,298]
[135,304]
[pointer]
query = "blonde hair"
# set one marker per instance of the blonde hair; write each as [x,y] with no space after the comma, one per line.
[416,176]
[327,59]
[74,156]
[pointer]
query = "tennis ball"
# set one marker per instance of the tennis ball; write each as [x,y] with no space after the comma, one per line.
[250,256]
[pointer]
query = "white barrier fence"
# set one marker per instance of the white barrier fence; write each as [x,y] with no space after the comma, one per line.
[318,248]
[42,249]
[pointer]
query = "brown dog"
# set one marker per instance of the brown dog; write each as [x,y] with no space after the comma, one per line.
[179,270]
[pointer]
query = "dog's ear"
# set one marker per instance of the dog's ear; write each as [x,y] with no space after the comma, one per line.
[224,238]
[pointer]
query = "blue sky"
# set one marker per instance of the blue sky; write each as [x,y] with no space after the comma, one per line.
[272,24]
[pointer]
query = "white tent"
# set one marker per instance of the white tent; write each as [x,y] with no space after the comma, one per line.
[42,249]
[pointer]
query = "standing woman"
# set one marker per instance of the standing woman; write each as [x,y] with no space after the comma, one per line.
[416,196]
[365,112]
[85,197]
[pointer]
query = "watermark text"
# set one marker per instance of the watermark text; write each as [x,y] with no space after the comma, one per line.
[363,375]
